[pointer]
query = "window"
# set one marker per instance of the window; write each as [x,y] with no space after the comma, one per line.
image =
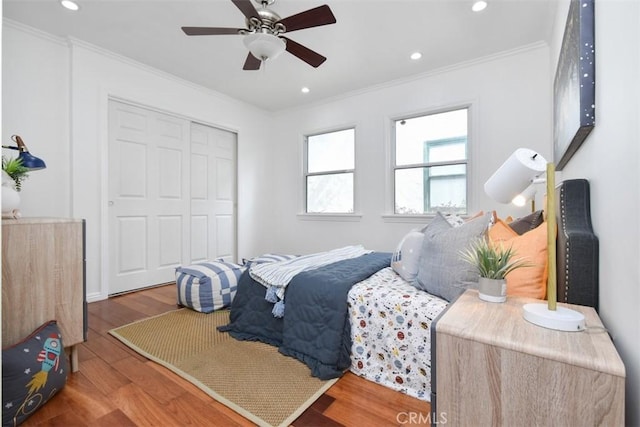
[329,172]
[430,163]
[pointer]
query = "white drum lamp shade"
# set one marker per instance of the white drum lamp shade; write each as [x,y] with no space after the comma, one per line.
[515,174]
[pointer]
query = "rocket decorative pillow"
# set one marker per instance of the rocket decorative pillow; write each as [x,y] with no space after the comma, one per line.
[406,258]
[33,371]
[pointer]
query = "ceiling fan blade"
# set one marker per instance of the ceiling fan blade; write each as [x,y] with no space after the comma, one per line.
[247,8]
[315,17]
[209,31]
[307,55]
[251,63]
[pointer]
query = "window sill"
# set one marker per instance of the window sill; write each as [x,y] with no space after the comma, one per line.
[329,217]
[411,219]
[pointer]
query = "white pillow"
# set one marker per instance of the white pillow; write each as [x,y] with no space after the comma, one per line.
[406,258]
[454,219]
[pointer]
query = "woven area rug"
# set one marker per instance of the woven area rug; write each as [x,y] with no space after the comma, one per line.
[251,378]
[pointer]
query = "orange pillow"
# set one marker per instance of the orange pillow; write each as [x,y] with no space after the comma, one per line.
[474,216]
[532,246]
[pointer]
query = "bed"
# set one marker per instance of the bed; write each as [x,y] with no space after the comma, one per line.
[315,327]
[361,314]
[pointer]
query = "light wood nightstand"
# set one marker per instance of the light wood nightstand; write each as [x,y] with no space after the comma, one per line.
[492,367]
[43,278]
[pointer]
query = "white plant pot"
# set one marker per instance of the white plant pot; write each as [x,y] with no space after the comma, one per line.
[10,202]
[492,290]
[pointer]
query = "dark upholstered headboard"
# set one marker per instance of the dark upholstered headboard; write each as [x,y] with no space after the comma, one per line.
[577,245]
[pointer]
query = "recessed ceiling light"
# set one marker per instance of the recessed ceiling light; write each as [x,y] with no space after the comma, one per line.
[71,5]
[305,90]
[416,55]
[479,5]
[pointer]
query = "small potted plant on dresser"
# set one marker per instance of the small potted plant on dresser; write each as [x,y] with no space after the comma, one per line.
[493,262]
[13,173]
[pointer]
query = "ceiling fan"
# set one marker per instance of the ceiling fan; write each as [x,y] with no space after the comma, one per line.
[263,35]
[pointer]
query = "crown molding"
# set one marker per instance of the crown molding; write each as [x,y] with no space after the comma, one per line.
[78,43]
[10,23]
[421,76]
[72,42]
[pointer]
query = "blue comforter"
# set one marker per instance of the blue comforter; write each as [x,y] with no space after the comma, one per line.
[315,328]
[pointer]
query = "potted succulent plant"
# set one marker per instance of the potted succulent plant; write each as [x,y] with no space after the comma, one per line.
[493,262]
[13,173]
[15,169]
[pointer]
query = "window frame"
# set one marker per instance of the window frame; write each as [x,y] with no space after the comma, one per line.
[306,174]
[393,167]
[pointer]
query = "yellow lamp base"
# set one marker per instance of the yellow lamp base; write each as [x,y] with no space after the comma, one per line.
[561,319]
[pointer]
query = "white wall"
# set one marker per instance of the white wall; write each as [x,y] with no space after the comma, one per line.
[56,96]
[35,105]
[509,109]
[610,160]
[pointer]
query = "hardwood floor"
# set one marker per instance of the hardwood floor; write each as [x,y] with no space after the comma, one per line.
[115,386]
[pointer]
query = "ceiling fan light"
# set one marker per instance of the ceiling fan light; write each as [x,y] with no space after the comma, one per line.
[264,46]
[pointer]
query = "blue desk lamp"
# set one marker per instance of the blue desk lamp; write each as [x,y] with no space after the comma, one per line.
[28,161]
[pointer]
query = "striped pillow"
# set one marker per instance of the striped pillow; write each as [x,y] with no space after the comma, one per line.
[208,286]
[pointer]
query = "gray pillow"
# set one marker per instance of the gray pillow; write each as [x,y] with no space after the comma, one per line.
[437,225]
[442,270]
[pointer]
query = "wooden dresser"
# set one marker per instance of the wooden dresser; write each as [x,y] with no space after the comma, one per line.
[492,367]
[43,278]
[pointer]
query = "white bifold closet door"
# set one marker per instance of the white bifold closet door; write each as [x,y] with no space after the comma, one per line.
[172,195]
[213,193]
